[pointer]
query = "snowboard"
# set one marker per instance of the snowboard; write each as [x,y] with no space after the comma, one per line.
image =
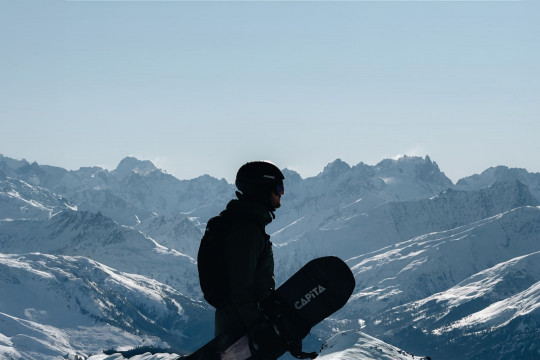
[317,290]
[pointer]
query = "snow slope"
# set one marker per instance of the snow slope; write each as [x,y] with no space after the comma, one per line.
[176,232]
[431,263]
[97,237]
[348,345]
[85,307]
[356,345]
[20,200]
[445,288]
[349,232]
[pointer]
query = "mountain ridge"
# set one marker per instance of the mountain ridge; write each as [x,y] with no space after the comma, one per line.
[412,238]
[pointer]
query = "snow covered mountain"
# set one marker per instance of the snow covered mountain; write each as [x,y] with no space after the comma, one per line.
[134,191]
[442,270]
[348,231]
[476,284]
[175,232]
[20,200]
[347,345]
[356,345]
[501,173]
[95,236]
[341,191]
[53,306]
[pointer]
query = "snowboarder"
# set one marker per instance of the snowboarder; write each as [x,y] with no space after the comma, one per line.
[247,261]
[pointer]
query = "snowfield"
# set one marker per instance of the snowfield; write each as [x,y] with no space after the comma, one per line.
[57,305]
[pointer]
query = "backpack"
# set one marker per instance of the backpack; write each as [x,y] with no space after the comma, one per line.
[211,263]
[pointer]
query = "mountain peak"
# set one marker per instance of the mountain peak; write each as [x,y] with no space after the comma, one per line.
[336,168]
[130,165]
[291,175]
[423,169]
[11,166]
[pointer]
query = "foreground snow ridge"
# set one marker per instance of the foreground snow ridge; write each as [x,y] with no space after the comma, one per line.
[356,345]
[347,345]
[146,356]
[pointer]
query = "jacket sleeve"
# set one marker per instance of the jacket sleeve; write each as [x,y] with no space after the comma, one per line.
[245,247]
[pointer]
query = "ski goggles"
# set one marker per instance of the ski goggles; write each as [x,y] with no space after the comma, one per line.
[280,188]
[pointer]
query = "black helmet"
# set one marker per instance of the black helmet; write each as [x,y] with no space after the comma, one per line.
[258,177]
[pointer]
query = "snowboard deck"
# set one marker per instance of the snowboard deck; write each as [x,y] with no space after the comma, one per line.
[316,291]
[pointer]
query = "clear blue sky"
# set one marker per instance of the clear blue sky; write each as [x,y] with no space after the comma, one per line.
[202,87]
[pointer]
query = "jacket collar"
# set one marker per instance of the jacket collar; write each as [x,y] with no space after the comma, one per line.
[248,208]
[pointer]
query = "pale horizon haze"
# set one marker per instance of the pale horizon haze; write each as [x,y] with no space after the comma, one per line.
[201,87]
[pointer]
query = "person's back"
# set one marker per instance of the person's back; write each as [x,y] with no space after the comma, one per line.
[248,262]
[249,266]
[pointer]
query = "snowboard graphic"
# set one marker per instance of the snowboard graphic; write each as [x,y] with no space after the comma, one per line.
[317,290]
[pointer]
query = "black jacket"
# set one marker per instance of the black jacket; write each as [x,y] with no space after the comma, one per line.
[250,266]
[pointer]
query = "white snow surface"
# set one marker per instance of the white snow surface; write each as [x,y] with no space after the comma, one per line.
[356,345]
[348,345]
[98,237]
[55,305]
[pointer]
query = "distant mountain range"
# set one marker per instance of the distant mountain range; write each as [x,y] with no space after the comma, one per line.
[95,259]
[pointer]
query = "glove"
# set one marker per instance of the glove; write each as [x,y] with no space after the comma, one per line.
[264,343]
[295,348]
